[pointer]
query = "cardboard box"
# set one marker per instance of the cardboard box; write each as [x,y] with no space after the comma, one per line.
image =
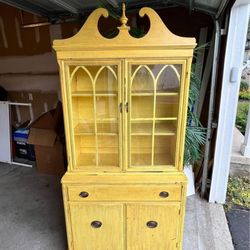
[50,160]
[45,134]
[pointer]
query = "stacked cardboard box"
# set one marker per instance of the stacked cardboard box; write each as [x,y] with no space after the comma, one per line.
[46,134]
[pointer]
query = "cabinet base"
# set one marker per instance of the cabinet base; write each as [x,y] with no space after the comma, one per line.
[127,212]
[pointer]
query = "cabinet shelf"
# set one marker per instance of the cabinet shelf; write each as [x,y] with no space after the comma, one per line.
[156,119]
[90,93]
[146,129]
[102,129]
[140,160]
[104,159]
[151,93]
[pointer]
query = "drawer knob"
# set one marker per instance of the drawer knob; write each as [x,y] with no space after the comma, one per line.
[96,224]
[164,194]
[152,224]
[84,194]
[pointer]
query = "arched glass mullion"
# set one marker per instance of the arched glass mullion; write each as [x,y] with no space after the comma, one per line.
[81,82]
[136,72]
[167,114]
[141,118]
[163,70]
[75,71]
[111,98]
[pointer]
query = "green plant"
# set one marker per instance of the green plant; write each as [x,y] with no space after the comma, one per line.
[244,95]
[244,86]
[241,117]
[238,192]
[195,132]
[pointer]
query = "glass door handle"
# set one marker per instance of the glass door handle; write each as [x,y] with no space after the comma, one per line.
[120,107]
[126,106]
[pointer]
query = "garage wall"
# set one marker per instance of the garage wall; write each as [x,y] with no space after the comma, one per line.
[37,72]
[27,61]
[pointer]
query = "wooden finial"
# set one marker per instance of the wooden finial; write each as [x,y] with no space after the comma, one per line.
[124,19]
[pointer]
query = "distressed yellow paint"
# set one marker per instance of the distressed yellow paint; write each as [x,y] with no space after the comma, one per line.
[124,135]
[163,236]
[125,193]
[108,236]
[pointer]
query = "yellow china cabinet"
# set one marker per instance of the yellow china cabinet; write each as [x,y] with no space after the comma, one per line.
[125,103]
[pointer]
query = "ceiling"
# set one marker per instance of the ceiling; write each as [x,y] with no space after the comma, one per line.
[54,9]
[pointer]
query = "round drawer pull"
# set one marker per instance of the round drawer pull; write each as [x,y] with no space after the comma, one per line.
[164,194]
[96,224]
[84,194]
[152,224]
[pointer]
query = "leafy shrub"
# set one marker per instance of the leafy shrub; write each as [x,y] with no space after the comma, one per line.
[241,117]
[238,192]
[244,86]
[244,95]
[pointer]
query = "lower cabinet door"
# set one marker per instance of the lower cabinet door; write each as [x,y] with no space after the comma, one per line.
[97,227]
[152,226]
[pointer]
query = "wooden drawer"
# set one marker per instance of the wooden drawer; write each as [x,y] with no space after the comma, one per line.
[125,193]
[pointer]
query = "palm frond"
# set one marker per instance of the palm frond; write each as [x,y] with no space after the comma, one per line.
[195,132]
[195,137]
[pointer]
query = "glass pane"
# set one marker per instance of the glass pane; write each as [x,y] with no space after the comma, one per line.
[106,81]
[165,128]
[164,150]
[142,106]
[142,128]
[166,106]
[81,80]
[142,80]
[141,150]
[106,108]
[107,127]
[85,150]
[154,107]
[108,150]
[94,91]
[169,79]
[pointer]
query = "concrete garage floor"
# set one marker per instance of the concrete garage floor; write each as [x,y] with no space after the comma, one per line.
[31,215]
[31,210]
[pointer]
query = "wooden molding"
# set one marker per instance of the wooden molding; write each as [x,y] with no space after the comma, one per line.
[158,36]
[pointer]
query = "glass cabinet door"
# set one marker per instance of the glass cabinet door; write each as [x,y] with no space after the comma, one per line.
[153,96]
[94,98]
